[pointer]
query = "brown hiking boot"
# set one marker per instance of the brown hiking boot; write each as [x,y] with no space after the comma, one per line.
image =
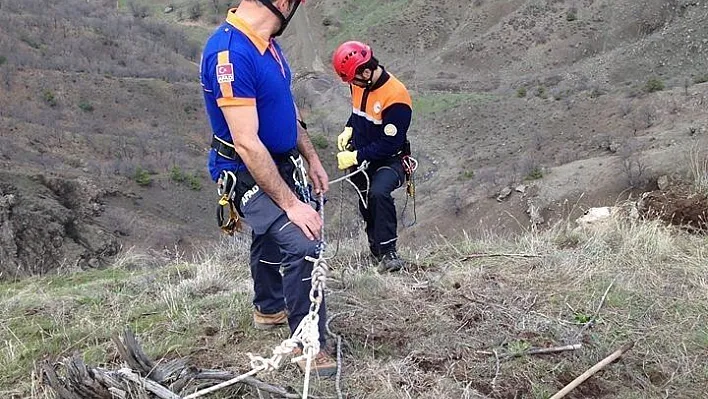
[262,321]
[323,365]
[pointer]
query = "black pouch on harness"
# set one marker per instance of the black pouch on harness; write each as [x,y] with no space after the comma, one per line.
[406,149]
[244,183]
[286,170]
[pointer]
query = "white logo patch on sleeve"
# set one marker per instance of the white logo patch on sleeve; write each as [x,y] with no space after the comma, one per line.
[390,130]
[225,73]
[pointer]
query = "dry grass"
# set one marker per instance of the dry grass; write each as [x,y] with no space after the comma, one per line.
[698,164]
[424,333]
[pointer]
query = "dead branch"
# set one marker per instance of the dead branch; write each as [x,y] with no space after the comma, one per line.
[476,256]
[537,351]
[544,351]
[149,385]
[216,375]
[496,372]
[592,370]
[143,378]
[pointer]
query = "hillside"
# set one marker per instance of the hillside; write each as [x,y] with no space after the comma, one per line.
[429,332]
[556,95]
[102,138]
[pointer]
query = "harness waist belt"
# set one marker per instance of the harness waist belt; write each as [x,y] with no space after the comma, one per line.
[227,150]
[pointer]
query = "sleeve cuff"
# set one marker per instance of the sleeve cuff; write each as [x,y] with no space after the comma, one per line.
[359,157]
[235,101]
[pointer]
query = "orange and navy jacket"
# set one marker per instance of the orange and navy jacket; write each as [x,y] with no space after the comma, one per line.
[381,116]
[240,68]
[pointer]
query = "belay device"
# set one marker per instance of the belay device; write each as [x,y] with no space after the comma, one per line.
[410,165]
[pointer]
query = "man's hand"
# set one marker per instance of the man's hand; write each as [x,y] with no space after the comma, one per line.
[344,137]
[320,180]
[346,159]
[306,218]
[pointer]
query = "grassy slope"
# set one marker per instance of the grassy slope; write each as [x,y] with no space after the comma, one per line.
[410,335]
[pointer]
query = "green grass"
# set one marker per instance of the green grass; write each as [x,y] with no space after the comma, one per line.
[197,32]
[357,17]
[179,176]
[654,85]
[433,102]
[399,331]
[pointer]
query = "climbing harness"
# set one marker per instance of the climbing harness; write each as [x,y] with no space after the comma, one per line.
[226,189]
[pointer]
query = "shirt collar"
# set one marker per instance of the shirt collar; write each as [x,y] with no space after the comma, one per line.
[238,23]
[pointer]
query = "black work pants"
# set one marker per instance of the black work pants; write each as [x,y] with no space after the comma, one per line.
[379,212]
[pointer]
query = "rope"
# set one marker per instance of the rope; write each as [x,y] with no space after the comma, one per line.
[364,165]
[347,178]
[337,381]
[307,332]
[410,165]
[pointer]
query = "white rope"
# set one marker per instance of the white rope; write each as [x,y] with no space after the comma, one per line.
[410,164]
[348,176]
[307,333]
[361,167]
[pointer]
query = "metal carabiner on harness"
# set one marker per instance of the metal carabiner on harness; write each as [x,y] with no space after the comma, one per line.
[300,179]
[410,165]
[226,189]
[226,185]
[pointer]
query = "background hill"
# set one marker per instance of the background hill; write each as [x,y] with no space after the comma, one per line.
[580,102]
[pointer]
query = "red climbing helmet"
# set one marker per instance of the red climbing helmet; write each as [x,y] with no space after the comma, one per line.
[348,57]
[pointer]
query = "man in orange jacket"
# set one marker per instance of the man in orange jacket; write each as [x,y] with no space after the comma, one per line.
[375,132]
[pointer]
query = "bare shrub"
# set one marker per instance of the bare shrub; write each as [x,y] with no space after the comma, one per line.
[633,167]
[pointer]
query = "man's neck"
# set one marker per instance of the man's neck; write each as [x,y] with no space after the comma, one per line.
[260,19]
[377,75]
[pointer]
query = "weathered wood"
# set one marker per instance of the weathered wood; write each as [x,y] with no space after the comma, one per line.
[592,370]
[132,353]
[152,386]
[143,379]
[219,375]
[51,379]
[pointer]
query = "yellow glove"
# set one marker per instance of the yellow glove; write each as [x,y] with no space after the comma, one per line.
[346,159]
[344,137]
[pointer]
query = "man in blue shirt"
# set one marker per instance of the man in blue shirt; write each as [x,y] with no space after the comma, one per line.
[258,136]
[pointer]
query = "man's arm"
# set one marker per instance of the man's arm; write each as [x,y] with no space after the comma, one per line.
[317,172]
[243,125]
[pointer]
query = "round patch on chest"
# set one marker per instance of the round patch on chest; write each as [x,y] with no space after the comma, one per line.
[377,107]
